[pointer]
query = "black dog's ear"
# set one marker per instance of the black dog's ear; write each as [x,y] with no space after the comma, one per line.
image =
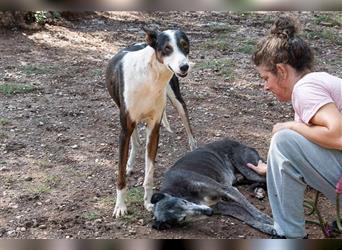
[157,197]
[151,37]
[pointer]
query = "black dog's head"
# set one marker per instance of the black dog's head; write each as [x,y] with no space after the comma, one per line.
[172,48]
[169,210]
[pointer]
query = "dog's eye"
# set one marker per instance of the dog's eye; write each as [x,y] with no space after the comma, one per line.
[168,49]
[185,45]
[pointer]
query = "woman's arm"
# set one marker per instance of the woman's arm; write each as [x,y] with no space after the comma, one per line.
[325,129]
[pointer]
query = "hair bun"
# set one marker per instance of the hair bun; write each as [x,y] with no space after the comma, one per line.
[284,27]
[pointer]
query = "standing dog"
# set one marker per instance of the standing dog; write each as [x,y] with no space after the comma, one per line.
[202,183]
[137,78]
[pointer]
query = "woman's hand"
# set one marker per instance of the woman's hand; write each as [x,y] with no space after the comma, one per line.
[283,125]
[260,169]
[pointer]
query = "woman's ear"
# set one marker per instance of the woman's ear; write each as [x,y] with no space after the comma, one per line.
[282,71]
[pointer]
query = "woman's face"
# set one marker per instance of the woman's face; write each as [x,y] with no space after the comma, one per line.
[275,83]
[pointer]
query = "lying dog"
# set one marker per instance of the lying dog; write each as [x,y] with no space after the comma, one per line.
[137,79]
[201,183]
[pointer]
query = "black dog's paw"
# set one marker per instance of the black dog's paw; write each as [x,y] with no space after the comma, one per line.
[158,225]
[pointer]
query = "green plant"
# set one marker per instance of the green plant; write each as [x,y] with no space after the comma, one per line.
[36,69]
[53,180]
[3,122]
[325,34]
[135,195]
[221,28]
[44,164]
[337,62]
[41,189]
[97,72]
[220,43]
[10,89]
[247,47]
[328,19]
[107,201]
[40,16]
[90,216]
[222,66]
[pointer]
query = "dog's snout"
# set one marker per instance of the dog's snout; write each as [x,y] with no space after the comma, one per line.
[209,212]
[184,67]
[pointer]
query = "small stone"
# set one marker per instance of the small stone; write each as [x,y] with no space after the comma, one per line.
[28,178]
[4,169]
[11,233]
[23,229]
[74,146]
[98,221]
[42,226]
[39,203]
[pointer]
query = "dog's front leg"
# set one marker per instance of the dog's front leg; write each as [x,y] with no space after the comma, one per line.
[173,93]
[126,132]
[152,135]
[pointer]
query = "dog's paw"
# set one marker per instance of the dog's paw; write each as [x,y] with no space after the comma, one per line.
[129,171]
[119,211]
[193,144]
[259,193]
[148,206]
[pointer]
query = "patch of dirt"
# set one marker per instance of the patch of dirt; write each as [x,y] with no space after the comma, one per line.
[59,142]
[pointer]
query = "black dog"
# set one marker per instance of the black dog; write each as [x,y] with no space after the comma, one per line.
[202,182]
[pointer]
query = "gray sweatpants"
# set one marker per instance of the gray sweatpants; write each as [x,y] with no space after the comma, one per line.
[294,162]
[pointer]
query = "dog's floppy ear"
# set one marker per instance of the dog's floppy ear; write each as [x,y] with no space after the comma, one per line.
[151,37]
[157,197]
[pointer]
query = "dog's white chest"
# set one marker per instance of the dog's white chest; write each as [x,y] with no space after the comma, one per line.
[144,86]
[144,103]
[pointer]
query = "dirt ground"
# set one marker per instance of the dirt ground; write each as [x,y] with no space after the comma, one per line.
[59,129]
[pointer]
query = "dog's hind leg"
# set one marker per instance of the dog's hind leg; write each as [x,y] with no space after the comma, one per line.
[126,132]
[235,210]
[166,123]
[173,93]
[135,143]
[152,138]
[243,210]
[245,155]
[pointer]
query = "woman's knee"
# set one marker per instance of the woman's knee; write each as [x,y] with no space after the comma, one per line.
[285,140]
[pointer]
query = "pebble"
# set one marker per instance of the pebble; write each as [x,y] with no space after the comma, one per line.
[74,146]
[11,233]
[42,226]
[28,178]
[4,169]
[98,221]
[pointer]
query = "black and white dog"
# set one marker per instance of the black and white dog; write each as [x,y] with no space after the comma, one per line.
[139,78]
[201,183]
